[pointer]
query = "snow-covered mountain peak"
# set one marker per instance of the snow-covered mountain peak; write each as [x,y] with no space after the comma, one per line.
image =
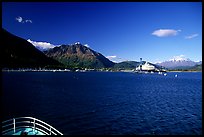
[179,59]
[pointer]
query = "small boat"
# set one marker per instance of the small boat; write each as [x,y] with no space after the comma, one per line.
[160,72]
[27,126]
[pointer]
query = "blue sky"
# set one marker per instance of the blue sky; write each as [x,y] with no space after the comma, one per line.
[155,31]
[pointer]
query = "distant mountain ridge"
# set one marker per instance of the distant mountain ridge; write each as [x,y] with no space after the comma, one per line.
[178,63]
[197,67]
[78,55]
[16,52]
[126,65]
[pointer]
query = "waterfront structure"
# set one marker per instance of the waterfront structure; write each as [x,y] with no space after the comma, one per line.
[145,66]
[148,67]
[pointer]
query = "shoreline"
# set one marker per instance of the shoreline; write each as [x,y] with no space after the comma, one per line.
[68,70]
[184,71]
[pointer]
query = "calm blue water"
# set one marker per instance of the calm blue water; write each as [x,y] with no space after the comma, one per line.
[107,103]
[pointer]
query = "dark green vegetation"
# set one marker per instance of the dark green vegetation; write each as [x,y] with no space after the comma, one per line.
[18,53]
[194,68]
[79,56]
[126,65]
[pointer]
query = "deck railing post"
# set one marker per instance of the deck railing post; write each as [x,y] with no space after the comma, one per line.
[50,130]
[14,125]
[34,124]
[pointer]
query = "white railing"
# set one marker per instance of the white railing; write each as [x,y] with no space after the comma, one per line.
[12,125]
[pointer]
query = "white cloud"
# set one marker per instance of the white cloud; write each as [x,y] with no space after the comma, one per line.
[86,45]
[165,32]
[42,45]
[20,20]
[29,21]
[191,36]
[116,59]
[111,57]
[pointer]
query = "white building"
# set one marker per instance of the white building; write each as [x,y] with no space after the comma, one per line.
[145,67]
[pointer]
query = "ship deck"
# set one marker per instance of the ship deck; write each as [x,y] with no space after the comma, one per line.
[25,131]
[27,126]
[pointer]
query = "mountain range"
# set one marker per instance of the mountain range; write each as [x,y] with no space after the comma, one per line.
[180,63]
[18,53]
[78,55]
